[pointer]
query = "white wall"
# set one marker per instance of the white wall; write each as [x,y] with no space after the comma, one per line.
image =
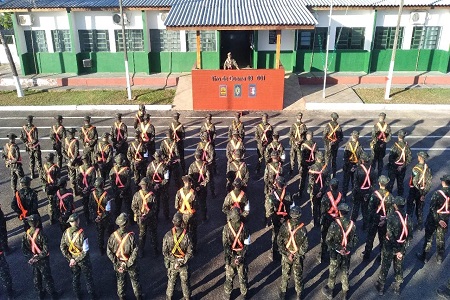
[287,41]
[13,50]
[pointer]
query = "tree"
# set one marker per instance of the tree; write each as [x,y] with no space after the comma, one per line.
[6,21]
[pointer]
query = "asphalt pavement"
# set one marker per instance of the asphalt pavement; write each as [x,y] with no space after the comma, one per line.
[427,131]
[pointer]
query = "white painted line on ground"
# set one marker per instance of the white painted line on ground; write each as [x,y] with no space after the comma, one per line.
[85,108]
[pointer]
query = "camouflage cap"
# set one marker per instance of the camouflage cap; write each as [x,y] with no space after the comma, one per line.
[105,135]
[237,114]
[384,180]
[274,153]
[186,178]
[119,115]
[177,219]
[87,118]
[364,156]
[280,181]
[276,133]
[237,183]
[141,106]
[144,181]
[343,207]
[50,155]
[295,212]
[264,115]
[334,182]
[208,116]
[399,201]
[62,181]
[158,153]
[122,219]
[334,116]
[423,154]
[59,117]
[25,180]
[176,114]
[33,219]
[309,132]
[98,182]
[30,117]
[11,135]
[300,114]
[234,214]
[355,133]
[382,114]
[147,117]
[446,178]
[319,155]
[73,217]
[72,130]
[401,133]
[198,153]
[119,158]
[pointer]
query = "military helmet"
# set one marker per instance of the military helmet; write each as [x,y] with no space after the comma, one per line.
[446,179]
[98,182]
[33,220]
[334,116]
[423,154]
[234,214]
[319,155]
[343,207]
[295,212]
[25,180]
[198,154]
[237,183]
[73,217]
[334,182]
[122,219]
[399,201]
[144,181]
[384,180]
[177,219]
[119,158]
[401,133]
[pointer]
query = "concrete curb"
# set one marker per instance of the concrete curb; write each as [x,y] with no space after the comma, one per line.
[375,107]
[133,107]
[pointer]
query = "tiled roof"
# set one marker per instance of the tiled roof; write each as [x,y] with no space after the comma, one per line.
[18,4]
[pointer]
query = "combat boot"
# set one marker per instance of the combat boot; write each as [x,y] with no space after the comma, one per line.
[366,256]
[396,288]
[421,256]
[380,288]
[439,258]
[444,292]
[327,292]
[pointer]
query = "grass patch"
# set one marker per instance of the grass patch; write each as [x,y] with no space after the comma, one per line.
[91,97]
[405,96]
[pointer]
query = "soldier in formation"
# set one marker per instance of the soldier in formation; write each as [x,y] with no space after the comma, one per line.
[237,126]
[120,179]
[200,176]
[135,155]
[158,175]
[13,160]
[85,183]
[332,136]
[381,135]
[30,137]
[147,131]
[104,157]
[88,136]
[177,133]
[119,135]
[71,153]
[57,136]
[187,205]
[237,169]
[100,212]
[275,145]
[169,150]
[352,152]
[399,159]
[64,203]
[49,177]
[25,202]
[297,135]
[308,151]
[206,149]
[263,137]
[318,182]
[273,170]
[237,198]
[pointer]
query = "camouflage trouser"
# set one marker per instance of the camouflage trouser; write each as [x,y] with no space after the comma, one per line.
[387,257]
[432,227]
[211,184]
[180,146]
[138,170]
[286,269]
[230,272]
[162,198]
[90,152]
[175,175]
[123,198]
[315,208]
[35,157]
[275,230]
[190,223]
[72,172]
[360,199]
[295,153]
[85,202]
[85,267]
[16,171]
[331,155]
[202,195]
[396,176]
[379,152]
[326,223]
[348,177]
[51,207]
[172,275]
[373,230]
[59,157]
[149,224]
[303,172]
[42,275]
[5,274]
[103,171]
[339,263]
[133,272]
[260,151]
[103,227]
[415,204]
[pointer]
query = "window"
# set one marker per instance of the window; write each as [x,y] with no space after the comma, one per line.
[349,38]
[134,39]
[9,39]
[165,40]
[312,39]
[384,38]
[36,41]
[425,37]
[61,40]
[207,40]
[93,40]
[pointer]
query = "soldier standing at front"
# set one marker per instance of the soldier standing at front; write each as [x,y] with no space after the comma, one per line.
[263,137]
[158,174]
[123,251]
[35,249]
[85,184]
[399,158]
[120,179]
[341,239]
[119,135]
[237,126]
[380,206]
[63,200]
[100,211]
[49,177]
[177,132]
[30,137]
[396,240]
[352,153]
[72,155]
[89,137]
[75,248]
[275,145]
[104,157]
[13,161]
[419,186]
[145,209]
[381,135]
[235,144]
[147,131]
[308,151]
[25,202]
[200,176]
[186,203]
[235,241]
[293,245]
[437,221]
[57,136]
[318,181]
[332,136]
[136,152]
[277,205]
[177,250]
[139,116]
[297,135]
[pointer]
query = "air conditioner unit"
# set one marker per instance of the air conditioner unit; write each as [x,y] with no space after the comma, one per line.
[25,20]
[118,20]
[164,16]
[418,17]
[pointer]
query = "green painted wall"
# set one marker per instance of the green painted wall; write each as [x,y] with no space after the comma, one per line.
[113,62]
[338,61]
[60,62]
[266,60]
[181,61]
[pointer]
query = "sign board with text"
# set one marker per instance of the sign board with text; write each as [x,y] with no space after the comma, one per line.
[245,89]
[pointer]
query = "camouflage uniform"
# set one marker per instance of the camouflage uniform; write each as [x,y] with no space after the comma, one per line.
[74,246]
[380,206]
[297,135]
[30,137]
[145,209]
[235,241]
[136,152]
[49,177]
[275,145]
[277,206]
[158,174]
[13,161]
[57,136]
[399,233]
[186,203]
[5,274]
[207,156]
[419,186]
[381,135]
[177,132]
[263,137]
[364,180]
[72,155]
[293,245]
[120,179]
[437,221]
[308,151]
[237,126]
[119,135]
[85,183]
[100,211]
[123,251]
[171,156]
[237,169]
[328,213]
[332,136]
[237,198]
[104,157]
[147,131]
[35,249]
[352,151]
[318,181]
[25,202]
[209,130]
[139,116]
[177,250]
[235,143]
[341,239]
[200,176]
[399,158]
[274,169]
[88,136]
[63,200]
